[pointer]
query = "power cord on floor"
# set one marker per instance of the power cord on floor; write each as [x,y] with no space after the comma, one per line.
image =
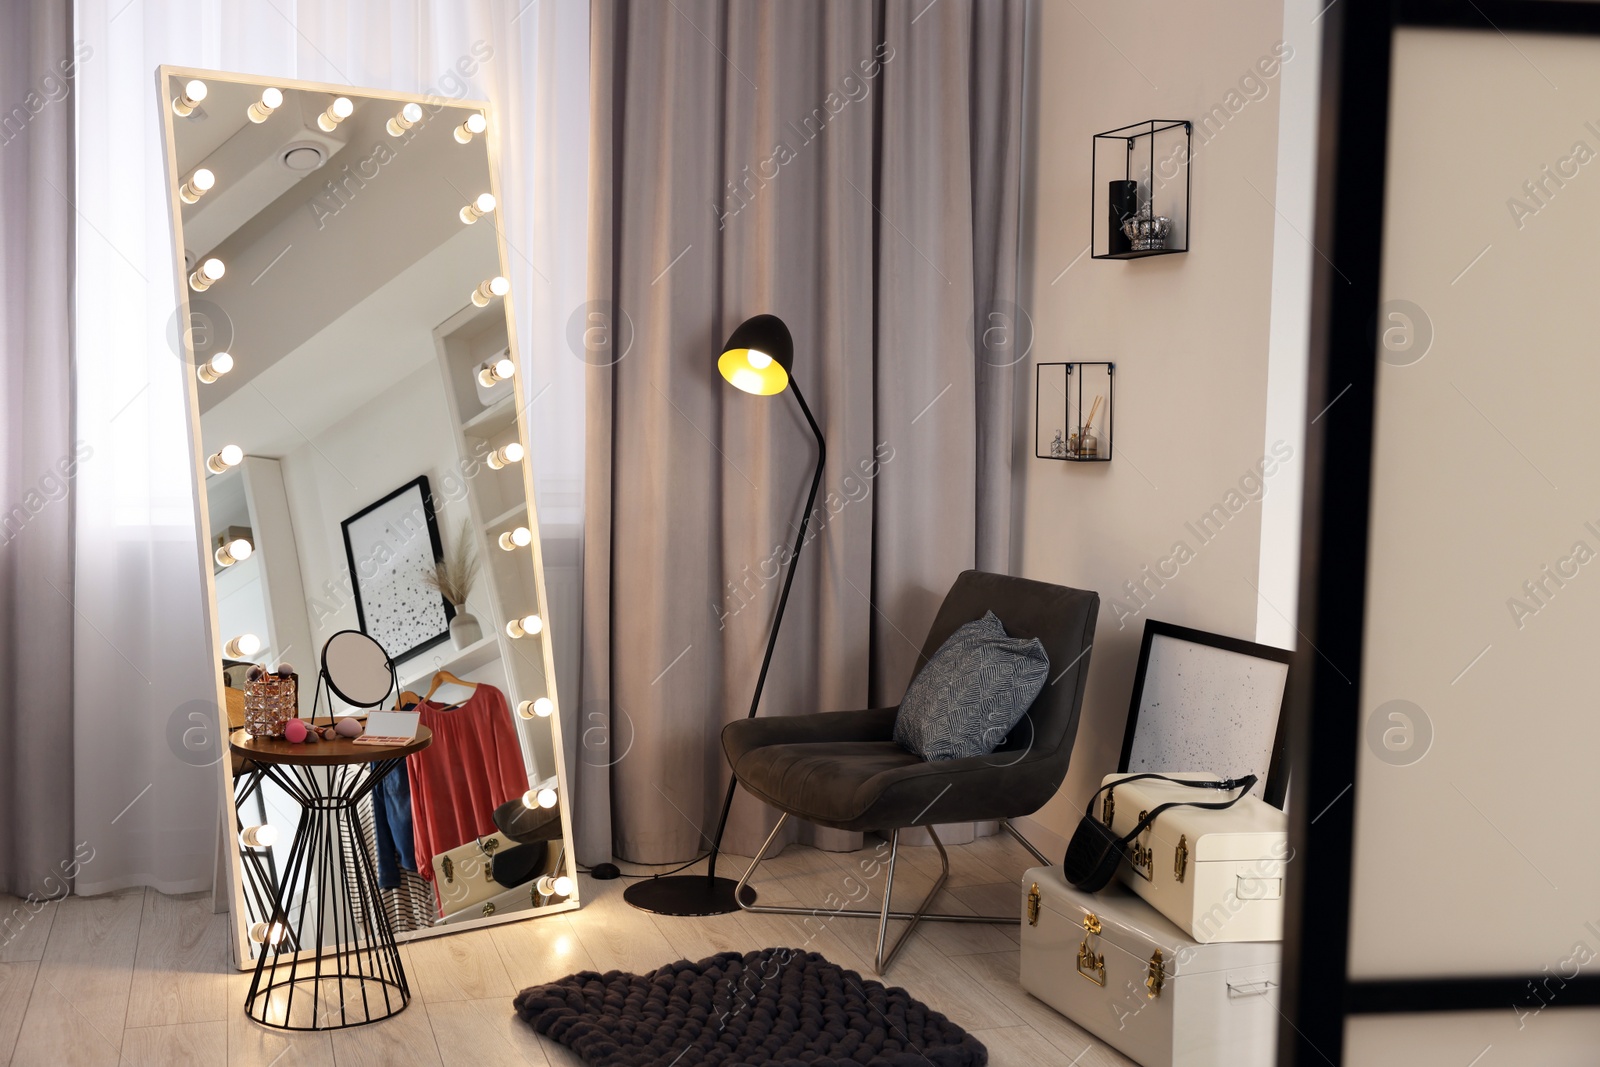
[601,872]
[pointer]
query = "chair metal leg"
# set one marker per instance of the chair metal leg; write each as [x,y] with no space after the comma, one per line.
[885,911]
[1014,832]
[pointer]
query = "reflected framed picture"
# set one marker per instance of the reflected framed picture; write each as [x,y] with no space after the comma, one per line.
[391,546]
[1205,702]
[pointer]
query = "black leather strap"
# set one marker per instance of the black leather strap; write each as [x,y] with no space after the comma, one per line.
[1244,785]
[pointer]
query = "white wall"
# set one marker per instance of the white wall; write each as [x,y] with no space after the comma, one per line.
[1189,335]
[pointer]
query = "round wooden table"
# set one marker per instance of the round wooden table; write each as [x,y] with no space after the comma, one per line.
[335,961]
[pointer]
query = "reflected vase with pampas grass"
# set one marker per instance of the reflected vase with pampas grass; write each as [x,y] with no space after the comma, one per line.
[454,577]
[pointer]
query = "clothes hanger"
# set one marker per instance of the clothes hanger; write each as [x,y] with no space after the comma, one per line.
[442,677]
[407,697]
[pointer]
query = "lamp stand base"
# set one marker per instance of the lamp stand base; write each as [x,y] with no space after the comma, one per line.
[687,894]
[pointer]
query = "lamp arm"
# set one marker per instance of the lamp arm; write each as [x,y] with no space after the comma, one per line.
[783,600]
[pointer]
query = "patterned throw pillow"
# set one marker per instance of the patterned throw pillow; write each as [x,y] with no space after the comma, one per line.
[972,692]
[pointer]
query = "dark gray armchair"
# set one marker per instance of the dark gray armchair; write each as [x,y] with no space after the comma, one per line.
[843,769]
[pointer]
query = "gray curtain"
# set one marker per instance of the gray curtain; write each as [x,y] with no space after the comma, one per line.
[853,168]
[40,457]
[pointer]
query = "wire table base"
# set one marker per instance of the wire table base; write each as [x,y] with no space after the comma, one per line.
[335,962]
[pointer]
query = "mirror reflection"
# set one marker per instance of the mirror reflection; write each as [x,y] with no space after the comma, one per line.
[374,549]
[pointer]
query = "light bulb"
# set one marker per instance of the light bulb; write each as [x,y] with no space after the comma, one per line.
[556,886]
[478,208]
[228,456]
[530,799]
[185,102]
[542,708]
[409,116]
[512,540]
[526,626]
[495,372]
[206,275]
[545,798]
[199,182]
[489,289]
[505,454]
[214,368]
[758,360]
[475,123]
[262,933]
[243,646]
[271,100]
[258,836]
[337,112]
[234,551]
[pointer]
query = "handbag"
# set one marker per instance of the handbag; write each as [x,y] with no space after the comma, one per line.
[1094,851]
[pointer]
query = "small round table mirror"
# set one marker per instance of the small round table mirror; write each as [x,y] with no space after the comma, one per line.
[357,669]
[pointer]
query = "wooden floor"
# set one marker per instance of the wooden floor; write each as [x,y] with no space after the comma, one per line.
[142,979]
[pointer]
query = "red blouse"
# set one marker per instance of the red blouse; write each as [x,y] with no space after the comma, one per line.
[473,766]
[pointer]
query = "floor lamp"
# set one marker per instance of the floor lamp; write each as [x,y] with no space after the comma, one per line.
[759,359]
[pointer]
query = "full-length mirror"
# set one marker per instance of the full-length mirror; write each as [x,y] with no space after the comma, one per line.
[359,440]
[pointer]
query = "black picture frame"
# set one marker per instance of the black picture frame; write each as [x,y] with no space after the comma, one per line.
[418,485]
[1324,690]
[1275,776]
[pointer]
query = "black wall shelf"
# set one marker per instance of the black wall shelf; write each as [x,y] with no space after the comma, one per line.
[1072,411]
[1145,171]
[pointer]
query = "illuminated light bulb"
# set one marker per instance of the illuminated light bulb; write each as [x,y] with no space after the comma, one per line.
[478,208]
[526,626]
[206,275]
[199,182]
[530,799]
[271,100]
[258,836]
[758,360]
[409,116]
[263,933]
[228,456]
[491,288]
[235,551]
[214,368]
[557,886]
[541,708]
[475,123]
[337,112]
[496,372]
[545,798]
[512,540]
[185,102]
[504,455]
[243,646]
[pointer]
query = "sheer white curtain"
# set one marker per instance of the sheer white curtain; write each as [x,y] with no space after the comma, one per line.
[146,781]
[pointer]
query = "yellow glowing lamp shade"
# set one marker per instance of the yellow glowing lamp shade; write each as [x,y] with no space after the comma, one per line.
[758,356]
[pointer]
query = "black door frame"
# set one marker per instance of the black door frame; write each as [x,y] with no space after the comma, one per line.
[1324,711]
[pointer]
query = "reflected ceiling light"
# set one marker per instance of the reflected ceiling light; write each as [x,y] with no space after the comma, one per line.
[206,275]
[540,708]
[243,646]
[505,455]
[526,626]
[258,836]
[496,371]
[214,368]
[408,117]
[236,551]
[185,102]
[475,123]
[478,208]
[271,100]
[198,184]
[337,112]
[558,886]
[228,456]
[491,288]
[512,540]
[262,934]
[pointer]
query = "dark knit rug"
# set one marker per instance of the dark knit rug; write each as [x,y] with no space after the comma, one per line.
[777,1007]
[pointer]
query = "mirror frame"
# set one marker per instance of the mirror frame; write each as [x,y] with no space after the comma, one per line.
[231,880]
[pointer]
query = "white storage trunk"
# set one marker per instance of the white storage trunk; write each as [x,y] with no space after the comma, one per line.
[1217,874]
[1112,964]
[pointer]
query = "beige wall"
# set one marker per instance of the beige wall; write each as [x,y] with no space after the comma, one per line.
[1189,335]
